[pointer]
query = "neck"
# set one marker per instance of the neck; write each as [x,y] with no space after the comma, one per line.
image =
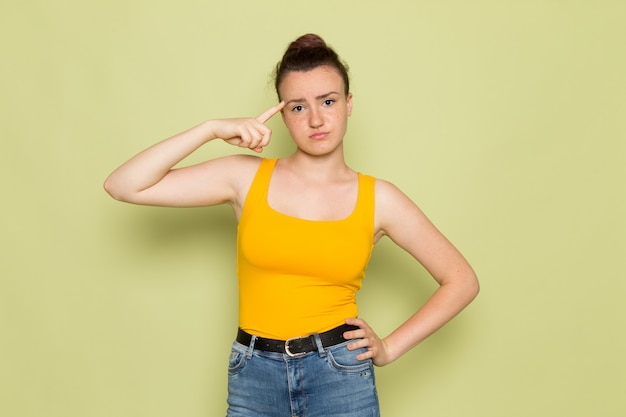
[318,167]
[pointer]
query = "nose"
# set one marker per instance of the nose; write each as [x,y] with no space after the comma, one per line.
[315,118]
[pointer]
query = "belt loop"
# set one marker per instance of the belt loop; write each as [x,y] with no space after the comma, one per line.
[318,342]
[251,346]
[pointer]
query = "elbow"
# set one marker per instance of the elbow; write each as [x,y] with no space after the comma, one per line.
[463,287]
[108,188]
[476,291]
[472,286]
[466,286]
[113,190]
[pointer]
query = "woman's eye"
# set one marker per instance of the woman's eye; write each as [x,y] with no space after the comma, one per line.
[328,102]
[297,109]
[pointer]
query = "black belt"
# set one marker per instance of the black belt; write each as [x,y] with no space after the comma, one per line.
[296,346]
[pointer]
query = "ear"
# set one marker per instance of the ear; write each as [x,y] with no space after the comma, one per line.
[349,103]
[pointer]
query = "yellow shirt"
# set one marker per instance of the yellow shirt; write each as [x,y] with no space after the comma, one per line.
[298,276]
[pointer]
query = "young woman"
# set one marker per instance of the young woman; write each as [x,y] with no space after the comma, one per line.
[307,225]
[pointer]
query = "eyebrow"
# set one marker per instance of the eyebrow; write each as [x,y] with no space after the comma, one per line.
[302,100]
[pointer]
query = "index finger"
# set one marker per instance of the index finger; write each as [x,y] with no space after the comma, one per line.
[267,114]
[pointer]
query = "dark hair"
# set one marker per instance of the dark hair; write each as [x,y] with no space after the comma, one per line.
[306,53]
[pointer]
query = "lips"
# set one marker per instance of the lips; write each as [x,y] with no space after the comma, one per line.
[318,135]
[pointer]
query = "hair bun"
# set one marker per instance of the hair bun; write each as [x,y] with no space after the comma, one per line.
[310,40]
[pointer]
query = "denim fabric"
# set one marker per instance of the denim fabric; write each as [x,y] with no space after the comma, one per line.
[330,382]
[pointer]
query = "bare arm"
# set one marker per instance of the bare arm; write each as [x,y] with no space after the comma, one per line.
[400,219]
[150,178]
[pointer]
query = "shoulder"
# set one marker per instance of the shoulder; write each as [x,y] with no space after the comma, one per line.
[387,194]
[227,178]
[241,171]
[394,210]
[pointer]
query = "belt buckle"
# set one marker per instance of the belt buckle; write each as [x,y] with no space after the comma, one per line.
[289,352]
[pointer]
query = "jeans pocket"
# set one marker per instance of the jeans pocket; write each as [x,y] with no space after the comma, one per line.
[236,361]
[344,360]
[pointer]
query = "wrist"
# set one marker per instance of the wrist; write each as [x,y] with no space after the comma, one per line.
[210,130]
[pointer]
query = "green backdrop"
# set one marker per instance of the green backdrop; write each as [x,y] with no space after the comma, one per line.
[504,120]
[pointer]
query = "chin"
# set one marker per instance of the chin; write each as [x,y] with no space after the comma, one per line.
[321,149]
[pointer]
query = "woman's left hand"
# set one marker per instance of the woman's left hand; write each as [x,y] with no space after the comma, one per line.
[377,349]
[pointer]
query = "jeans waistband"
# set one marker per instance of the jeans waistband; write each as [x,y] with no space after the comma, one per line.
[296,346]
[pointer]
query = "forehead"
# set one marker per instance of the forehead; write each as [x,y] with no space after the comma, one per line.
[315,82]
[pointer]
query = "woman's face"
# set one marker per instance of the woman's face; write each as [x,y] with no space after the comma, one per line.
[316,109]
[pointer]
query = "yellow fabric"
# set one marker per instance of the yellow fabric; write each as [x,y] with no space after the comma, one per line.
[297,276]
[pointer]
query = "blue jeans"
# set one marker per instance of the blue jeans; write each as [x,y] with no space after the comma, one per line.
[324,383]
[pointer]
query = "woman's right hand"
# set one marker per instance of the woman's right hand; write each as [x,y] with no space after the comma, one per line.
[251,133]
[150,178]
